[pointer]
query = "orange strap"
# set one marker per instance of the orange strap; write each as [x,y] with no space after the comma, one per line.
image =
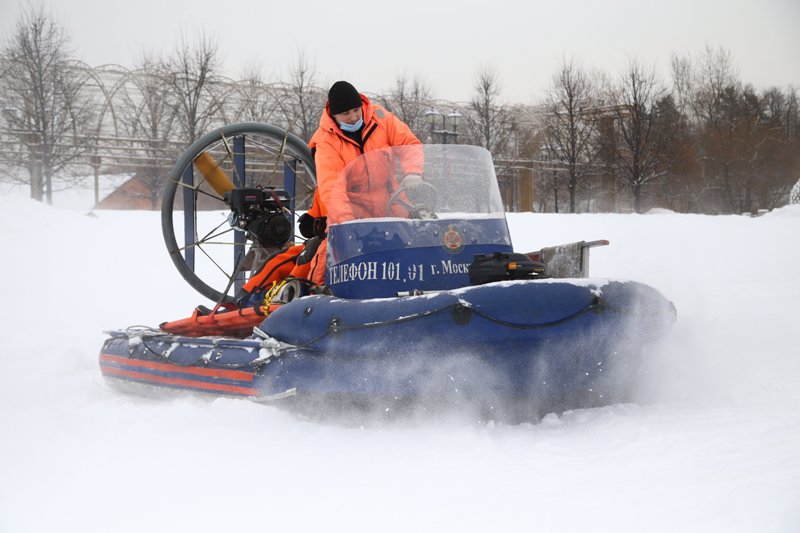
[274,270]
[238,323]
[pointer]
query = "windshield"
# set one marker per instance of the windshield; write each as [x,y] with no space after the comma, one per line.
[390,233]
[457,181]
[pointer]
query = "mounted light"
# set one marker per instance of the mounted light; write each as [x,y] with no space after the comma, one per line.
[453,117]
[433,117]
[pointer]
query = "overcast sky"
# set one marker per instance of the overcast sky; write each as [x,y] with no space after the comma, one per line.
[444,43]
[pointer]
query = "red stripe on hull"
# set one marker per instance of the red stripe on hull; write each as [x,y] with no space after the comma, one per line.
[200,385]
[197,371]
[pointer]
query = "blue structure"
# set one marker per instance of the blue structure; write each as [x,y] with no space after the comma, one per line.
[405,324]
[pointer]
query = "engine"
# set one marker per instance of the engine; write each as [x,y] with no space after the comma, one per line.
[261,214]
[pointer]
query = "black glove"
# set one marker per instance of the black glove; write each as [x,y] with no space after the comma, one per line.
[310,226]
[320,227]
[309,250]
[306,224]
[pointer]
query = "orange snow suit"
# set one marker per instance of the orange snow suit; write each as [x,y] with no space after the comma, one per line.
[366,191]
[275,269]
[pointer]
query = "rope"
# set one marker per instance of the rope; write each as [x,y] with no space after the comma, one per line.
[271,294]
[596,304]
[200,361]
[335,327]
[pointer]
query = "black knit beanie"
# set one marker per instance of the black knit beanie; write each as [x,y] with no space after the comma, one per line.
[343,97]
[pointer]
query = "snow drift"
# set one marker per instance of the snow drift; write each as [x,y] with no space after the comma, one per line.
[710,443]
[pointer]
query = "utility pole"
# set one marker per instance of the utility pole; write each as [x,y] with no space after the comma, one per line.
[95,161]
[555,188]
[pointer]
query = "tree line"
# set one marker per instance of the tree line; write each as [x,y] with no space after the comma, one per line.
[705,142]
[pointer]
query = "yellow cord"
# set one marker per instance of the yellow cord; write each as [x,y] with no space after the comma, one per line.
[271,294]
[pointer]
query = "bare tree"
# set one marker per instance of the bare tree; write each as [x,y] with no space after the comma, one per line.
[571,123]
[641,142]
[774,152]
[714,95]
[256,100]
[729,134]
[743,143]
[792,114]
[192,73]
[713,73]
[683,83]
[409,99]
[490,122]
[307,100]
[42,97]
[149,114]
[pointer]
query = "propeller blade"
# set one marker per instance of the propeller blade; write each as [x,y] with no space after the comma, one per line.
[216,177]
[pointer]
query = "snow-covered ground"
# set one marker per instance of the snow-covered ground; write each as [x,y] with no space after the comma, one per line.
[712,443]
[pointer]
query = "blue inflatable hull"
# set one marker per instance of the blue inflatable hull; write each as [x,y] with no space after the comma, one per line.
[540,344]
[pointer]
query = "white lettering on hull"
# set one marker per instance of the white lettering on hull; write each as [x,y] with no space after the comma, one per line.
[393,271]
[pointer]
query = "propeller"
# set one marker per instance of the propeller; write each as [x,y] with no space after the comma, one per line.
[216,177]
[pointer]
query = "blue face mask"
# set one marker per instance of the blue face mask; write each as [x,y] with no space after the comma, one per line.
[352,127]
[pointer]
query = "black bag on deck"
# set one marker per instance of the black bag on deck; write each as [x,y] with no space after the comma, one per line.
[498,266]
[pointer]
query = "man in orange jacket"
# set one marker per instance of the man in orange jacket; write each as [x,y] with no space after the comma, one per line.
[350,126]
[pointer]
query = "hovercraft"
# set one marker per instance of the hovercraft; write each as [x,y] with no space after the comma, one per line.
[426,304]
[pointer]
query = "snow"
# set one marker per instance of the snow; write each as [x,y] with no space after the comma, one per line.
[78,195]
[711,444]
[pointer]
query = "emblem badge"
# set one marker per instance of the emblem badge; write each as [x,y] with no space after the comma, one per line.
[453,240]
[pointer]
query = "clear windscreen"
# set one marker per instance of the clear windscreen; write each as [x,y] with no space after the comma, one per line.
[454,181]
